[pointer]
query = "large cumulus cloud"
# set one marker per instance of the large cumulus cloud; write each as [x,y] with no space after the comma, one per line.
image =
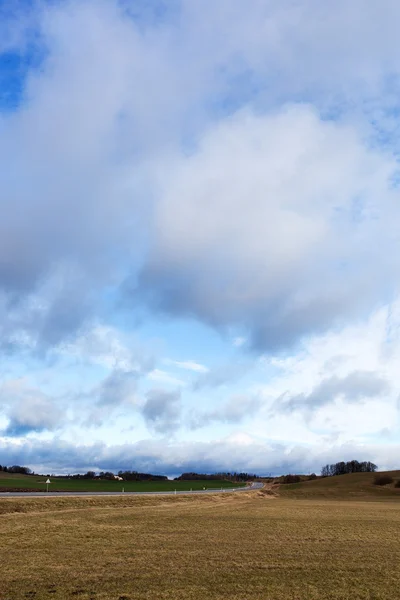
[281,224]
[113,95]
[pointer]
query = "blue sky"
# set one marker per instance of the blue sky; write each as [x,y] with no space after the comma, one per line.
[199,247]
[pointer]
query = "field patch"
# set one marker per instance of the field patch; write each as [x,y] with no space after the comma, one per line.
[63,484]
[213,547]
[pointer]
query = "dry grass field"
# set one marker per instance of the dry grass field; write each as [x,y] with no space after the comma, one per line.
[246,546]
[355,486]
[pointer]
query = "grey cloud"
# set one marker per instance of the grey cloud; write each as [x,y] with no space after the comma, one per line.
[61,207]
[221,375]
[356,387]
[162,410]
[238,408]
[157,456]
[116,392]
[118,387]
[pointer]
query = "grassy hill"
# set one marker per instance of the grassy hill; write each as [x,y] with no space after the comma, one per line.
[357,486]
[10,482]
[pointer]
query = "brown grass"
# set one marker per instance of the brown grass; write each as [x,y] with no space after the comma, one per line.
[356,486]
[248,546]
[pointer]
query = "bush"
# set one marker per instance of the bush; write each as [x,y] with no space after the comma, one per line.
[383,480]
[397,484]
[291,479]
[312,476]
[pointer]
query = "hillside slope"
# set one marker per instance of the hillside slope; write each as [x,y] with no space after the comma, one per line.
[357,486]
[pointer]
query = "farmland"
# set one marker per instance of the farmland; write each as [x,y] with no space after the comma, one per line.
[63,484]
[251,545]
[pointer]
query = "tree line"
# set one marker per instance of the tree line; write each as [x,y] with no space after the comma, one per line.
[352,466]
[135,476]
[16,469]
[227,476]
[126,476]
[339,468]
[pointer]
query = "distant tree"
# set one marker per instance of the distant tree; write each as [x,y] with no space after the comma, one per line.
[19,469]
[370,467]
[135,476]
[216,476]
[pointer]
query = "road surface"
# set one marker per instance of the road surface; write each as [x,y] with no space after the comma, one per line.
[253,486]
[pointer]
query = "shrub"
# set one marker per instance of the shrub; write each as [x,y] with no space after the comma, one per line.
[397,484]
[383,480]
[312,476]
[291,479]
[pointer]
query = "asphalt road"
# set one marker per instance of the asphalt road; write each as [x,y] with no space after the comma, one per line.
[253,486]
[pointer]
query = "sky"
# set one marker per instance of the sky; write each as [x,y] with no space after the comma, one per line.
[199,234]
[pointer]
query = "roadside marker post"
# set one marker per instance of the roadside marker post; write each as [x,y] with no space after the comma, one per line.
[47,485]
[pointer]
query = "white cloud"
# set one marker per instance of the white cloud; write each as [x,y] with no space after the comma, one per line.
[110,348]
[28,409]
[188,365]
[165,377]
[344,382]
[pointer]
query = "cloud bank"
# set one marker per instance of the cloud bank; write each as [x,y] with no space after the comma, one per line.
[199,248]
